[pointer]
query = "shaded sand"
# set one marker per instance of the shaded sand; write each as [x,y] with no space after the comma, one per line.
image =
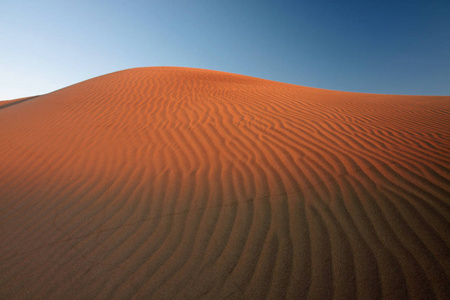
[6,103]
[177,183]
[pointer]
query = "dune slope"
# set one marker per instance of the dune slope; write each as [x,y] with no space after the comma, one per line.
[178,183]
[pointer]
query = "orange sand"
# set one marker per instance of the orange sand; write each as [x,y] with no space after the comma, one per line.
[178,183]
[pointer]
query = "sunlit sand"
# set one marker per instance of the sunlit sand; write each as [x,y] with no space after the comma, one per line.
[178,183]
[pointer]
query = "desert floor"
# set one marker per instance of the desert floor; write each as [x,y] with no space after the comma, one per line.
[178,183]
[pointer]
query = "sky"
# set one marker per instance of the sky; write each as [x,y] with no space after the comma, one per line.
[387,47]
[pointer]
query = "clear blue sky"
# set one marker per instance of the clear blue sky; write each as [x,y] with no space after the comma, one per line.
[391,47]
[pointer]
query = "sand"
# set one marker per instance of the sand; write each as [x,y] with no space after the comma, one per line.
[179,183]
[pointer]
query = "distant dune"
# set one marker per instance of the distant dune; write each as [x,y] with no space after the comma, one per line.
[178,183]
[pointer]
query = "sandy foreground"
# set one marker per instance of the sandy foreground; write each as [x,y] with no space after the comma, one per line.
[178,183]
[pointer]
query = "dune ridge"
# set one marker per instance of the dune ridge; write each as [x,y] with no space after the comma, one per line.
[179,183]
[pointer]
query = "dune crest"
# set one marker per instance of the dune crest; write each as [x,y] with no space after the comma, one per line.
[182,183]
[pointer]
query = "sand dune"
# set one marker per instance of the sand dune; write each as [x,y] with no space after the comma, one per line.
[178,183]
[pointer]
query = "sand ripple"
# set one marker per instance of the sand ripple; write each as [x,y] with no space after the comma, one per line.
[165,183]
